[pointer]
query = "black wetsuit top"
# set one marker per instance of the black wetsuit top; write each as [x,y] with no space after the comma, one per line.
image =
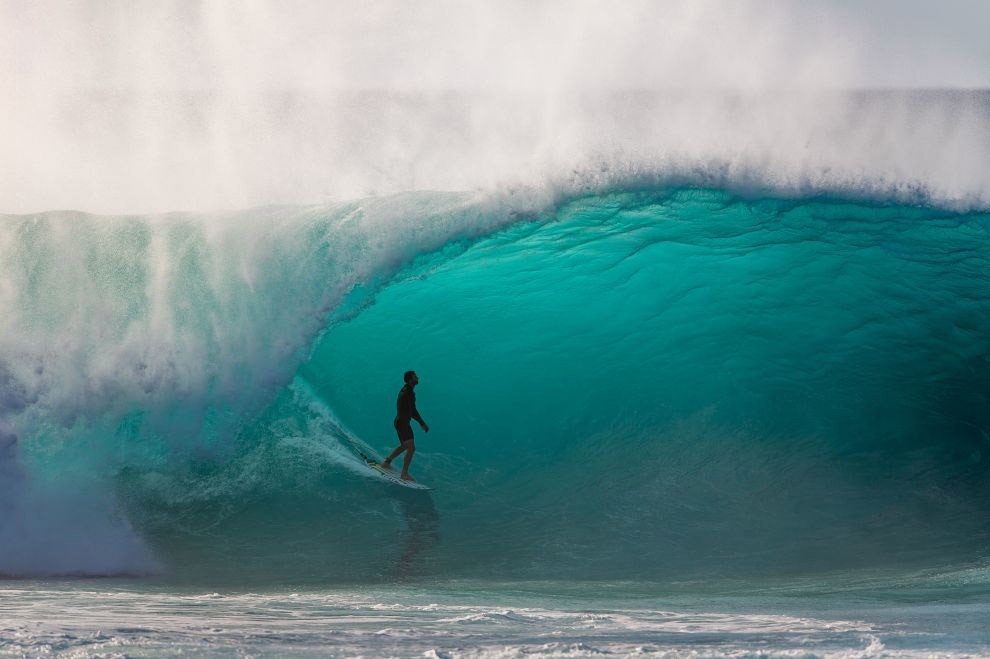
[405,407]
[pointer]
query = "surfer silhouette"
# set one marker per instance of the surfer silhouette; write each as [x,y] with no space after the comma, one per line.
[406,411]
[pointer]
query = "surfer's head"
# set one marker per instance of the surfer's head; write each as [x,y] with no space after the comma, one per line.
[410,377]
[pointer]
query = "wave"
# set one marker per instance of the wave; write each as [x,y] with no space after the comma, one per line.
[634,381]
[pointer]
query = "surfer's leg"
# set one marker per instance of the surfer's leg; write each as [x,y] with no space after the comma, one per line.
[404,430]
[393,455]
[410,447]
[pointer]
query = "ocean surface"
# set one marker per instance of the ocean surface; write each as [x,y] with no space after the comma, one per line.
[820,618]
[666,419]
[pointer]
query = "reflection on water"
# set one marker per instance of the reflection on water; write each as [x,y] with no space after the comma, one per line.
[421,534]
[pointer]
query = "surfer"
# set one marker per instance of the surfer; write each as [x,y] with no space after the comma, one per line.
[405,412]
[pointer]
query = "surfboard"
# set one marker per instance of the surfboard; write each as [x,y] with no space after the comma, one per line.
[369,458]
[391,475]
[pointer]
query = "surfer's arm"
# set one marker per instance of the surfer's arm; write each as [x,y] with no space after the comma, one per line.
[419,419]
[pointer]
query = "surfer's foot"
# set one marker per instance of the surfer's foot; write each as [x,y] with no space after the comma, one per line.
[387,464]
[406,477]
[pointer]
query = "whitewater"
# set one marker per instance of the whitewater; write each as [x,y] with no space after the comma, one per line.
[705,361]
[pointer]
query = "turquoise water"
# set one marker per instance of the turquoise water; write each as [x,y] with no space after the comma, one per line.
[762,421]
[655,382]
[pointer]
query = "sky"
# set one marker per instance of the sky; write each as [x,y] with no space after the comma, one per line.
[918,43]
[489,45]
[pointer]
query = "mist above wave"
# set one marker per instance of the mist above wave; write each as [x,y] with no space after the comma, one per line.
[169,151]
[148,107]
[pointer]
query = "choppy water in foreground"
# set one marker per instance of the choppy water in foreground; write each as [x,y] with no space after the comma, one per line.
[472,619]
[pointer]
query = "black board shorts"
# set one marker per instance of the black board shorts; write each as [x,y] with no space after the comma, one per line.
[404,430]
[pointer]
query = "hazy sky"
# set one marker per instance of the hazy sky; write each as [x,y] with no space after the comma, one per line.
[141,105]
[489,44]
[909,43]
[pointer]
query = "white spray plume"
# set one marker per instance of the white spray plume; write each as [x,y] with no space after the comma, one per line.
[156,106]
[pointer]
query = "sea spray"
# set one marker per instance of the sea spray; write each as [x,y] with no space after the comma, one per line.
[147,342]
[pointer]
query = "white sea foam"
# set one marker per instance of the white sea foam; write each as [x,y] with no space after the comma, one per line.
[77,618]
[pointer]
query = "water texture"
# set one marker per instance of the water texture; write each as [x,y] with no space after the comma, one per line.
[630,383]
[543,619]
